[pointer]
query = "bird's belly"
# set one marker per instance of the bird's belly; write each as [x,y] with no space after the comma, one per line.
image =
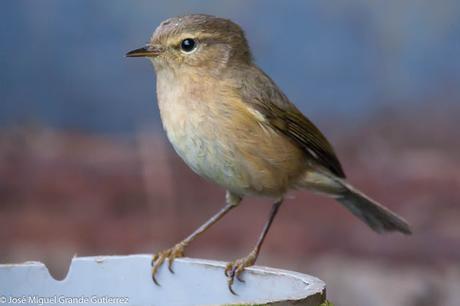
[194,139]
[240,160]
[207,158]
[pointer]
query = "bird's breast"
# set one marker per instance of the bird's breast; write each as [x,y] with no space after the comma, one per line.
[189,118]
[220,139]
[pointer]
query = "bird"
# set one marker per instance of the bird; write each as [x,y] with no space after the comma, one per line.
[231,124]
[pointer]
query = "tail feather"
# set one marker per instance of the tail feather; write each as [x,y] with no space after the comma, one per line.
[377,216]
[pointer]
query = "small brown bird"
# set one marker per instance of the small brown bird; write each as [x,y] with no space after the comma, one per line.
[232,125]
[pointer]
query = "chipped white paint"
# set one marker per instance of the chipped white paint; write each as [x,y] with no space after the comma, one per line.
[125,280]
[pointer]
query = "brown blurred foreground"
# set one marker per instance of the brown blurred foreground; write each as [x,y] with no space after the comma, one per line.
[66,193]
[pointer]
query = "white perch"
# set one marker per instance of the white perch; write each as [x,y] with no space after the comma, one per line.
[126,280]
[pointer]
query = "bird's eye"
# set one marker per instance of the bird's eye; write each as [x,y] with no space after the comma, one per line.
[188,45]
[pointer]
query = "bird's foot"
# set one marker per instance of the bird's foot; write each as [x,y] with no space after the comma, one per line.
[176,251]
[236,267]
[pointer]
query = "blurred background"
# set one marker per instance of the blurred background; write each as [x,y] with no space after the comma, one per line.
[85,167]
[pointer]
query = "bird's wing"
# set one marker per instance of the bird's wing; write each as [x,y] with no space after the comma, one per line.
[260,93]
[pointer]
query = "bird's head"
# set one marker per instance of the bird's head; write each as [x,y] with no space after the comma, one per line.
[196,41]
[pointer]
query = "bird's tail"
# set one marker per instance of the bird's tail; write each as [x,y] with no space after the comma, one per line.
[377,216]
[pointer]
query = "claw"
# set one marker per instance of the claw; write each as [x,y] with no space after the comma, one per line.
[230,274]
[170,262]
[235,268]
[157,262]
[170,254]
[230,283]
[155,280]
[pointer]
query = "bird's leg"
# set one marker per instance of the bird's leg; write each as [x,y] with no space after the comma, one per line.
[236,267]
[177,251]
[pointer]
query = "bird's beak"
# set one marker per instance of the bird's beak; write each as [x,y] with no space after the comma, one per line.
[147,51]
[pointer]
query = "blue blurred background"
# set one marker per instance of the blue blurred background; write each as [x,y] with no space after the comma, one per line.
[85,167]
[62,62]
